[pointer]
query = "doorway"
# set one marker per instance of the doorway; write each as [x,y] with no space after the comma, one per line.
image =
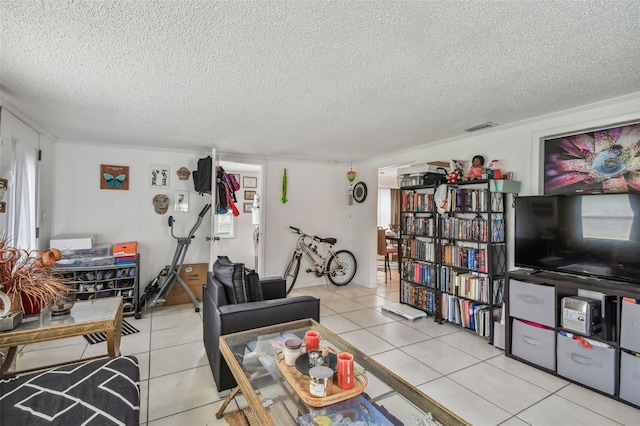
[388,220]
[240,236]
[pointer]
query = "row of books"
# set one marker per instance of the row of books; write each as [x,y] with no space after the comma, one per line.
[465,284]
[420,226]
[417,249]
[474,200]
[417,202]
[419,297]
[469,285]
[476,229]
[465,257]
[468,200]
[420,273]
[469,314]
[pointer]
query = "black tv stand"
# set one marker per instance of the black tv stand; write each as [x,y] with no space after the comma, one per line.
[534,297]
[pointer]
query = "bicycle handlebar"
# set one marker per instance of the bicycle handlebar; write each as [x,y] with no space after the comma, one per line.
[296,229]
[315,237]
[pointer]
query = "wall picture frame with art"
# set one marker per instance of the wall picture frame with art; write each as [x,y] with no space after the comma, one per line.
[249,195]
[181,201]
[114,177]
[606,160]
[247,207]
[159,176]
[249,181]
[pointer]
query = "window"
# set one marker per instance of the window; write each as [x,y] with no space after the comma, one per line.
[384,207]
[225,225]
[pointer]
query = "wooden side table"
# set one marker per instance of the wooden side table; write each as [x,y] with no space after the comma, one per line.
[87,317]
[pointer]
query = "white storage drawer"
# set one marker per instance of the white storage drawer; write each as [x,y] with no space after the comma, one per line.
[593,366]
[532,302]
[535,344]
[630,378]
[630,326]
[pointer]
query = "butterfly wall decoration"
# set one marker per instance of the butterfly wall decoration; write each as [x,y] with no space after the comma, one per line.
[114,177]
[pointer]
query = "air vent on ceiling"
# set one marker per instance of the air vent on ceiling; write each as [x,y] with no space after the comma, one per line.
[480,126]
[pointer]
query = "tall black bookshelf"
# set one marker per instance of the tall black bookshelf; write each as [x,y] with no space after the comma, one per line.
[453,263]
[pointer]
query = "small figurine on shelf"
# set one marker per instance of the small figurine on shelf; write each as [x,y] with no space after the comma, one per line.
[494,169]
[477,168]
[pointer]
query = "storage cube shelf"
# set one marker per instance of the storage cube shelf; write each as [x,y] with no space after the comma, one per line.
[604,360]
[93,282]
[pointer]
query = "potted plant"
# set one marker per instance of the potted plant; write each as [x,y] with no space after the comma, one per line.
[27,275]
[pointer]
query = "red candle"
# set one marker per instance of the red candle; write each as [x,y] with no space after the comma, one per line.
[312,340]
[345,370]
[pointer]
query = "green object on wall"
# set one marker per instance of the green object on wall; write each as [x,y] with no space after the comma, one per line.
[284,187]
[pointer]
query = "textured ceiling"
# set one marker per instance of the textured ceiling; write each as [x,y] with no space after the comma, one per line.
[308,80]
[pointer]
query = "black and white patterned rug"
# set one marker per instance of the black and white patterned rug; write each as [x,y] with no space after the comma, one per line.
[99,392]
[102,337]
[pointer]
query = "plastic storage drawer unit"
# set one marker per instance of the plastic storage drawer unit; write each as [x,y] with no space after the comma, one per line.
[534,343]
[630,377]
[532,302]
[630,325]
[586,363]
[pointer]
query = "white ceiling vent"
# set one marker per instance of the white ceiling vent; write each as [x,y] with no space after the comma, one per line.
[480,126]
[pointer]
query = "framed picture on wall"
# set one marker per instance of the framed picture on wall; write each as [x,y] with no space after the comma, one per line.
[246,207]
[250,182]
[595,161]
[181,202]
[249,195]
[114,177]
[159,176]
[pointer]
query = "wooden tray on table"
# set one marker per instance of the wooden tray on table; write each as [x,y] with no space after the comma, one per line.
[300,384]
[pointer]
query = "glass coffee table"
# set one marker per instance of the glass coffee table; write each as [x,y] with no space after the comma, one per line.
[103,315]
[386,398]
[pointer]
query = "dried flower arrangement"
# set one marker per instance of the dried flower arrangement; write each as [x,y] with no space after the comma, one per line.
[28,273]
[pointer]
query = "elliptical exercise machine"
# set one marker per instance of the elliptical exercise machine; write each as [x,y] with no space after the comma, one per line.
[155,293]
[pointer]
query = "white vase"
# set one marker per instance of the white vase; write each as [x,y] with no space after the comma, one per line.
[6,304]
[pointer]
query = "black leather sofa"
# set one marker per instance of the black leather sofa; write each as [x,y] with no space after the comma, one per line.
[222,318]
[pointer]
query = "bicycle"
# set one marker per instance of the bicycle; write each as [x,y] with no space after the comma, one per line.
[339,266]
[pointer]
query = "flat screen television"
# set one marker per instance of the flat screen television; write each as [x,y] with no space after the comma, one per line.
[594,235]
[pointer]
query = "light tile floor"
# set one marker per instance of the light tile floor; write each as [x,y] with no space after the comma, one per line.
[451,365]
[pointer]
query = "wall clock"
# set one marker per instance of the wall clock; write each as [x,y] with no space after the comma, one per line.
[360,192]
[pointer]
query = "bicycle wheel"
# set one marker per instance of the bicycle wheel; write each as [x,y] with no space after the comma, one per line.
[291,271]
[342,267]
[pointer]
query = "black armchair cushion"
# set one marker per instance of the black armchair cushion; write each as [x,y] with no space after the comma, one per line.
[241,285]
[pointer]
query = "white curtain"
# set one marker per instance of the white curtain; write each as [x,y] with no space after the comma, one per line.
[21,205]
[384,207]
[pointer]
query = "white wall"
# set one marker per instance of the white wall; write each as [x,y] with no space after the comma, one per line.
[80,206]
[317,204]
[518,145]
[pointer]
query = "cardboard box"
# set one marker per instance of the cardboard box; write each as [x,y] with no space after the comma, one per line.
[444,164]
[129,248]
[195,276]
[73,241]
